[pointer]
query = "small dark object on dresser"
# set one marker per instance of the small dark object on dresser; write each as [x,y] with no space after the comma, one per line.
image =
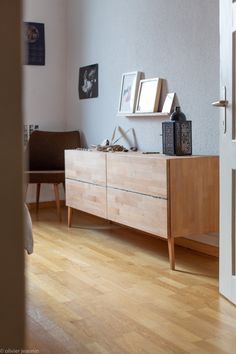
[177,135]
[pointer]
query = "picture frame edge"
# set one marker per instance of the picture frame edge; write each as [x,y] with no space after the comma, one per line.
[138,75]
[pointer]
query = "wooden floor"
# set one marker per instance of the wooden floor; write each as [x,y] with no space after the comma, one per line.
[106,289]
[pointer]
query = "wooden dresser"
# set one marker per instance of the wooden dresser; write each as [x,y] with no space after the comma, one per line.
[163,195]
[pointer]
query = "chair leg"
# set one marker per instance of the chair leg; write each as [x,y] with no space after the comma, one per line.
[25,192]
[64,187]
[57,197]
[37,199]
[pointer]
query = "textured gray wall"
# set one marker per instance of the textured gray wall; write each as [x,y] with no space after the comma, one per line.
[176,40]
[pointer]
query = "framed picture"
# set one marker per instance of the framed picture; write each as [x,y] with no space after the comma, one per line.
[148,95]
[168,104]
[128,92]
[34,43]
[88,81]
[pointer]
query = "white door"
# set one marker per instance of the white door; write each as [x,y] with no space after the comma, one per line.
[228,149]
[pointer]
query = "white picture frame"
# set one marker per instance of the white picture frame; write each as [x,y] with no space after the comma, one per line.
[148,95]
[168,104]
[128,92]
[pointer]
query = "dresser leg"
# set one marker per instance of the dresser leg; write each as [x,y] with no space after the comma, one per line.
[70,212]
[171,249]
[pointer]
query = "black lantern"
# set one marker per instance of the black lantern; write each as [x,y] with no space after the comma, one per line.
[177,134]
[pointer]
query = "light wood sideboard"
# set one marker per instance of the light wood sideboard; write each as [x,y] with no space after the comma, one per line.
[166,196]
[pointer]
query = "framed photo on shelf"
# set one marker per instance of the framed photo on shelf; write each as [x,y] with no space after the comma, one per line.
[128,92]
[148,95]
[168,104]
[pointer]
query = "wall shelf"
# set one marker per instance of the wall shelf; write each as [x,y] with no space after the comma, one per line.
[153,114]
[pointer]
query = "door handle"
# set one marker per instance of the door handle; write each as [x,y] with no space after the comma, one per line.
[221,103]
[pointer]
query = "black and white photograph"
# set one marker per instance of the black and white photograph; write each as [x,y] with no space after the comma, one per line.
[88,81]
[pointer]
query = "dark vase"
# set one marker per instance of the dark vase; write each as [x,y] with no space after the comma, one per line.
[177,115]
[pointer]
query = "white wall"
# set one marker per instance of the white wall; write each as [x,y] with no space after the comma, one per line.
[176,40]
[44,86]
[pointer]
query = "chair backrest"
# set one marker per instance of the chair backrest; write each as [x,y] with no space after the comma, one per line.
[46,149]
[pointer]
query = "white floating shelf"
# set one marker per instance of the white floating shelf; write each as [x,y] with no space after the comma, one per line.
[153,114]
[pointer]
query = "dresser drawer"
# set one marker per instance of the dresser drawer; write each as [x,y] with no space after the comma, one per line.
[87,166]
[139,211]
[86,197]
[138,173]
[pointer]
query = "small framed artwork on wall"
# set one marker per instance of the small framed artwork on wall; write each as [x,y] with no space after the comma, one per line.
[128,92]
[34,43]
[148,96]
[88,81]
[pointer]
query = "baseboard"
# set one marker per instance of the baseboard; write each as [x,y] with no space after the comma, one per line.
[43,205]
[197,246]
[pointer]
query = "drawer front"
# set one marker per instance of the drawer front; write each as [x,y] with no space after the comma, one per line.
[139,211]
[86,166]
[138,173]
[86,197]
